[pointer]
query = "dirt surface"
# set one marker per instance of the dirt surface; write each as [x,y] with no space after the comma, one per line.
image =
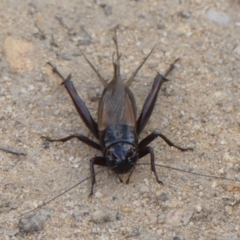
[199,107]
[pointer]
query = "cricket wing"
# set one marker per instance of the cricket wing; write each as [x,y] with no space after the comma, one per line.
[117,106]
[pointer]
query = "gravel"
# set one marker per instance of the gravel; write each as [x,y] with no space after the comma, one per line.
[198,107]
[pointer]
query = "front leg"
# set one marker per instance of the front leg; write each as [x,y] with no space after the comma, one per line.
[148,150]
[101,161]
[78,103]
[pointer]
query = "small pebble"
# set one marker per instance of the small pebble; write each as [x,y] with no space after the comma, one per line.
[31,87]
[221,171]
[198,208]
[177,238]
[71,158]
[126,210]
[94,94]
[160,26]
[144,189]
[70,204]
[78,215]
[103,216]
[174,217]
[182,113]
[186,217]
[229,209]
[98,194]
[56,113]
[19,54]
[146,51]
[186,14]
[12,232]
[161,216]
[237,51]
[153,220]
[34,222]
[119,216]
[163,197]
[200,194]
[106,8]
[65,56]
[218,17]
[63,215]
[145,235]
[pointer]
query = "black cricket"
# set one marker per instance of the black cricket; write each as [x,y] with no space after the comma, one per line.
[118,128]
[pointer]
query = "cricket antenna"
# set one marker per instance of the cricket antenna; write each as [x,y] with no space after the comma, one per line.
[100,77]
[194,173]
[59,195]
[129,81]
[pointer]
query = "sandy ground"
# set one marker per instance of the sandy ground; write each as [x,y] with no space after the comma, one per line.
[199,107]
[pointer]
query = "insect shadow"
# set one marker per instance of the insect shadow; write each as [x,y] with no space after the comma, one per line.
[117,128]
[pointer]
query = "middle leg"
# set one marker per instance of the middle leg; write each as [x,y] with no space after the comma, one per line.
[148,139]
[80,137]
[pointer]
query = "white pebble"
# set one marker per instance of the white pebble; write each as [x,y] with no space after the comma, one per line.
[218,17]
[198,208]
